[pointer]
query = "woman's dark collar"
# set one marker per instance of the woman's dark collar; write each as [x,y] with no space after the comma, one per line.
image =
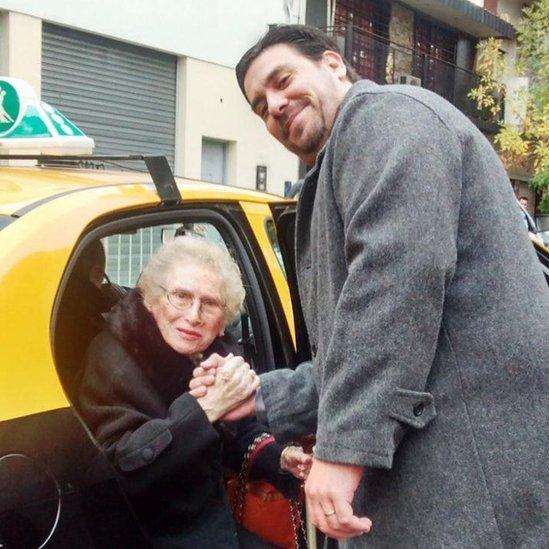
[136,329]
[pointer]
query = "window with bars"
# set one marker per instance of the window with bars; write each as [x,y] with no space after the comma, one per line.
[370,21]
[434,41]
[128,253]
[434,57]
[367,15]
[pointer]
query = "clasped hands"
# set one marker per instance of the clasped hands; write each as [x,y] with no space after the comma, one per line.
[330,487]
[225,387]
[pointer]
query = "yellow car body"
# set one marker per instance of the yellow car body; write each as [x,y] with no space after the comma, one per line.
[56,486]
[35,251]
[45,214]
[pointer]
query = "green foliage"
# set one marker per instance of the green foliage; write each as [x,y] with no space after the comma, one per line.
[540,181]
[525,146]
[543,206]
[489,68]
[533,43]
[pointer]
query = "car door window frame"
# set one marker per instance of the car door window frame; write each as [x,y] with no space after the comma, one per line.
[194,214]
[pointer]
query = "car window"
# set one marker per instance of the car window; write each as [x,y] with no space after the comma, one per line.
[5,220]
[544,235]
[128,252]
[270,227]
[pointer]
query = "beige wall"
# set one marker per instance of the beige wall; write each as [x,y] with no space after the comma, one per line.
[510,10]
[211,105]
[21,48]
[217,31]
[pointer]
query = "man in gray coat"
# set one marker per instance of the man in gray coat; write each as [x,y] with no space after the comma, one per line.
[427,312]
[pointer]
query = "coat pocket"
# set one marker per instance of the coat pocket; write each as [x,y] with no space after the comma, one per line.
[413,408]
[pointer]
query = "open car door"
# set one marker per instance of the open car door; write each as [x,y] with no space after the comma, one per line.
[543,256]
[284,216]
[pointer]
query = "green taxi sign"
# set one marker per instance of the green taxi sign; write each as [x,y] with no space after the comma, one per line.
[26,123]
[10,107]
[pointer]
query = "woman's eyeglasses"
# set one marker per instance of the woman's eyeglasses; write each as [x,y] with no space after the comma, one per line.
[183,300]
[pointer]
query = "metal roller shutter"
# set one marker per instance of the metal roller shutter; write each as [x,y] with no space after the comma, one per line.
[120,94]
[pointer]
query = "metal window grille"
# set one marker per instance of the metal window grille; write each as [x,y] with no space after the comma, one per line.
[370,20]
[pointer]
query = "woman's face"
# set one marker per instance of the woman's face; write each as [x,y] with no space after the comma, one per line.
[191,330]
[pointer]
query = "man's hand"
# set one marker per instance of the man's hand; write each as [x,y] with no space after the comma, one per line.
[235,383]
[330,489]
[244,409]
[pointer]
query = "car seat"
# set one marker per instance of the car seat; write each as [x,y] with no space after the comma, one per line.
[79,319]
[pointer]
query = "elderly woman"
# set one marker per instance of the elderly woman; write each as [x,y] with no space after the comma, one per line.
[169,446]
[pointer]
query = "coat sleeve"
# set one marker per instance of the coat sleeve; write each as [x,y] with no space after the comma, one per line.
[113,401]
[266,466]
[396,180]
[291,402]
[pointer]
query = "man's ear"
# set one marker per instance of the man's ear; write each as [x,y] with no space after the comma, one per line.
[333,61]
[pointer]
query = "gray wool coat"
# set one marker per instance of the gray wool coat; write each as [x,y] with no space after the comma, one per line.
[428,318]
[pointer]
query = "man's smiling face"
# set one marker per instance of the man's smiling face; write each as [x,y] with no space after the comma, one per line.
[296,97]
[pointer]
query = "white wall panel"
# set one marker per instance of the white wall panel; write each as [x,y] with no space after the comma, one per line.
[218,31]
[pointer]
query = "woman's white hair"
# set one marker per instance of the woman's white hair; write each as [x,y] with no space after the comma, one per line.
[185,250]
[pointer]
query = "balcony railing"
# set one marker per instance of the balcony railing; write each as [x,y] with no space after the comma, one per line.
[385,62]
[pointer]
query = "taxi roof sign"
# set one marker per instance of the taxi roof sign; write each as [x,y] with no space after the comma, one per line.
[28,124]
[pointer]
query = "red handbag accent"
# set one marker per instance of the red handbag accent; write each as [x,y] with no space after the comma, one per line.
[260,508]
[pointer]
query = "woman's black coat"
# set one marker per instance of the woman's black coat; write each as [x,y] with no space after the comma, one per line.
[170,457]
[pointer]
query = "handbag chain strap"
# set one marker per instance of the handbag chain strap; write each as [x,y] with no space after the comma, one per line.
[244,473]
[297,522]
[295,507]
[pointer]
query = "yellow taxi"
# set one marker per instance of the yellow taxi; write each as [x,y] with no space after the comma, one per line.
[61,224]
[57,488]
[55,482]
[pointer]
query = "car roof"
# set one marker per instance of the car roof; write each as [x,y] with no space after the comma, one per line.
[22,187]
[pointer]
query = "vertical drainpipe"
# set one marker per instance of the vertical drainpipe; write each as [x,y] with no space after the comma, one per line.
[349,39]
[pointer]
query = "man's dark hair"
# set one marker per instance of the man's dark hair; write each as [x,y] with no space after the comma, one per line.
[523,198]
[309,41]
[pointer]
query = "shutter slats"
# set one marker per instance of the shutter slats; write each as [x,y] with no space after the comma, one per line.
[120,94]
[110,65]
[110,103]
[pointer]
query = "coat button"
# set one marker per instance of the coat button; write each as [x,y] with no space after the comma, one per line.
[147,454]
[419,409]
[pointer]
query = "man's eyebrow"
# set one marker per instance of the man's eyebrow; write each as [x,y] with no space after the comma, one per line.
[268,79]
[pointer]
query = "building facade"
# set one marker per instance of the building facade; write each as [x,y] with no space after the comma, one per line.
[153,78]
[429,43]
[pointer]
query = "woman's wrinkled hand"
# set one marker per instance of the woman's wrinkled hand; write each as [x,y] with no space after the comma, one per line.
[204,375]
[294,460]
[234,383]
